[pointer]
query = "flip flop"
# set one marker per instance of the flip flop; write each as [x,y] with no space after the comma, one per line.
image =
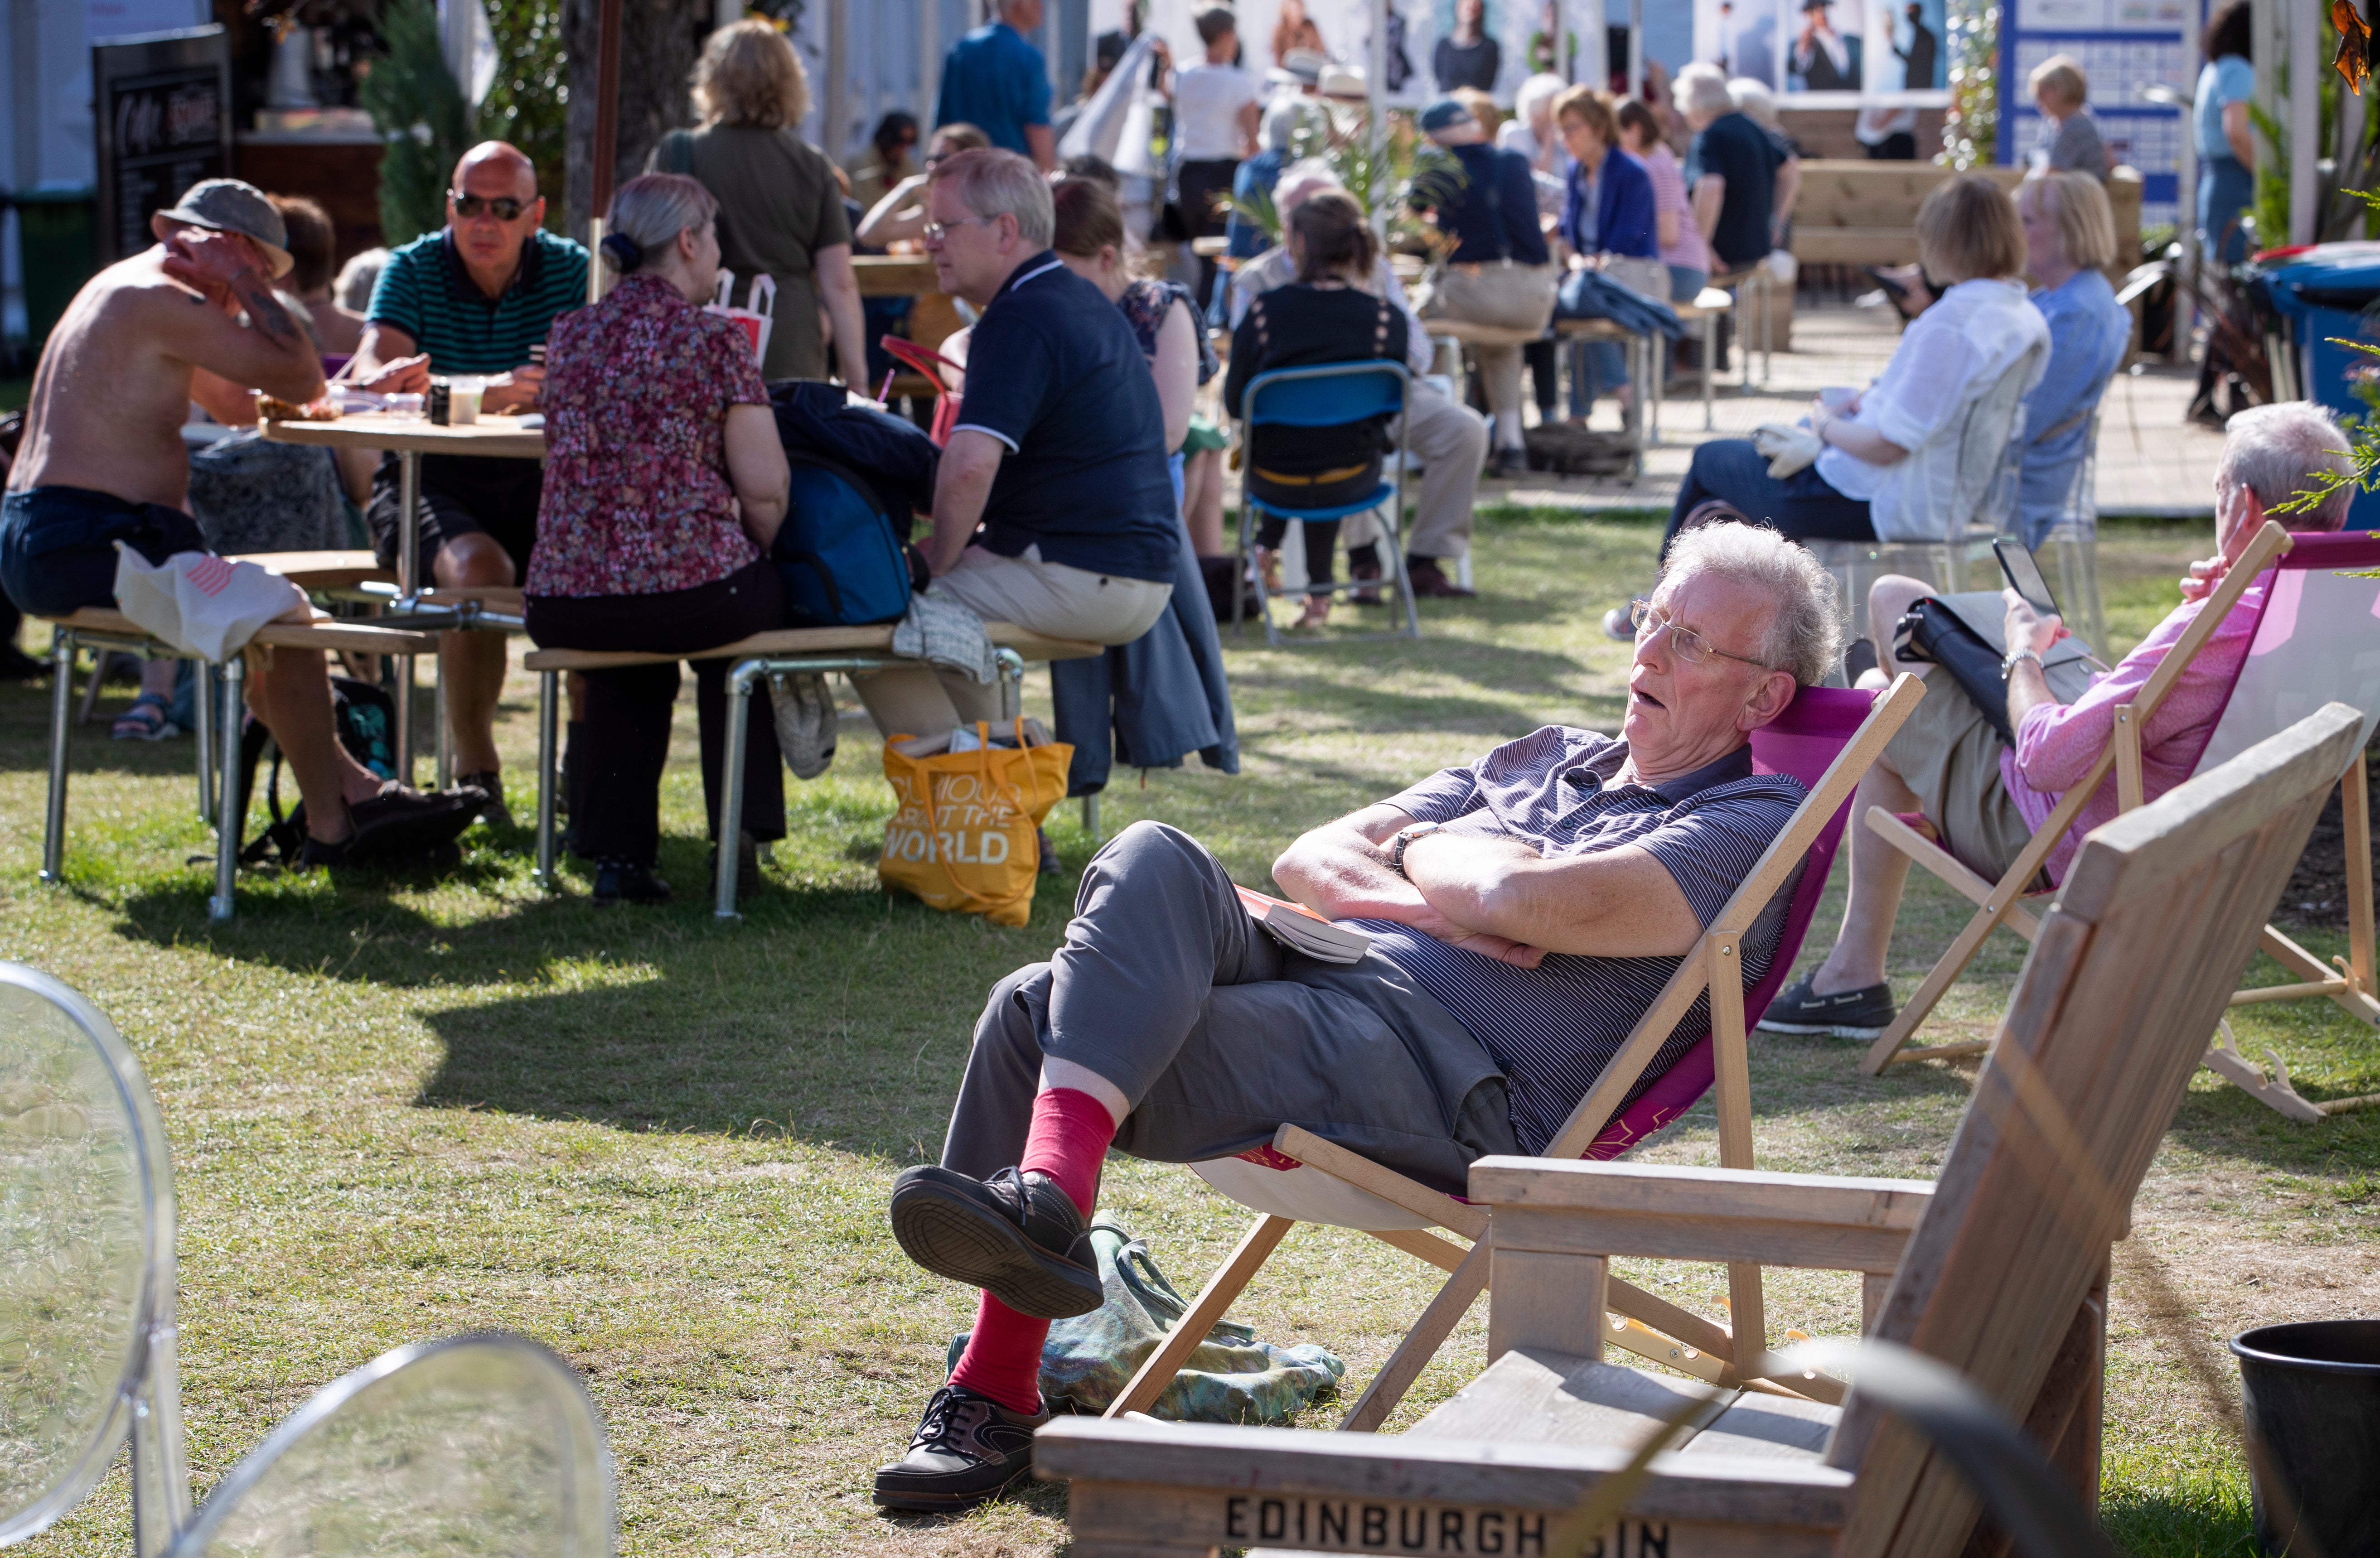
[146,720]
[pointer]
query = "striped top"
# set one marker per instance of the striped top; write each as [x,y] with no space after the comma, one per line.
[426,293]
[1553,1028]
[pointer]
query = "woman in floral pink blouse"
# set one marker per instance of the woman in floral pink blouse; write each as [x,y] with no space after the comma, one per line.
[664,484]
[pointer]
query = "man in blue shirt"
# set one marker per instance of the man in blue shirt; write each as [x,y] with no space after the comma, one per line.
[1059,456]
[995,80]
[1498,271]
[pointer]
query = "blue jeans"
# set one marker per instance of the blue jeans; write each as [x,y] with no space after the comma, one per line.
[2224,188]
[1686,284]
[1801,506]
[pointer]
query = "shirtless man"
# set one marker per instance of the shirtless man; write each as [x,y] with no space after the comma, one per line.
[102,462]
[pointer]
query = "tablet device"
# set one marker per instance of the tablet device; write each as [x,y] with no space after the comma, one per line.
[2024,576]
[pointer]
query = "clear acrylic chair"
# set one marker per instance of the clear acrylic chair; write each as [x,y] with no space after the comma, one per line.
[87,1281]
[477,1445]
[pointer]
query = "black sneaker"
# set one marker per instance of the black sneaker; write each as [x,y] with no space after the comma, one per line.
[968,1448]
[1855,1014]
[620,881]
[1015,1236]
[496,814]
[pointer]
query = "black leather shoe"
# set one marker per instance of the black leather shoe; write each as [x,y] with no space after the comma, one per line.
[1852,1014]
[618,881]
[1015,1236]
[488,781]
[968,1448]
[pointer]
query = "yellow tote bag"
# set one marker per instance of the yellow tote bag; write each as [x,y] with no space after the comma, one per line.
[962,837]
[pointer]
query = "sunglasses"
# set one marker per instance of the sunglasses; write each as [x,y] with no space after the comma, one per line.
[505,208]
[1684,642]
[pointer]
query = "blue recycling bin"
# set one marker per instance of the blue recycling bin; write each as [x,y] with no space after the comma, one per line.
[2327,293]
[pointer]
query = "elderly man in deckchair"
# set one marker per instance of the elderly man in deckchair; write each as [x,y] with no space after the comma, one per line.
[1983,798]
[1525,910]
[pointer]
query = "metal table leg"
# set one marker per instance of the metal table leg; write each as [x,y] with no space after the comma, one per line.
[232,817]
[1710,349]
[548,779]
[202,687]
[409,542]
[445,739]
[731,801]
[53,820]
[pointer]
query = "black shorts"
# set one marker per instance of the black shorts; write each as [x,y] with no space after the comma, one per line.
[57,545]
[461,495]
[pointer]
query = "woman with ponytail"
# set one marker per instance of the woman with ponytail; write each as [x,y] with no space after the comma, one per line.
[664,484]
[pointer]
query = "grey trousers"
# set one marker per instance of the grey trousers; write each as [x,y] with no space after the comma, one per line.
[1217,1034]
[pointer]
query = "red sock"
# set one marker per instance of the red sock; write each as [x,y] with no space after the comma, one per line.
[1003,1358]
[1069,1141]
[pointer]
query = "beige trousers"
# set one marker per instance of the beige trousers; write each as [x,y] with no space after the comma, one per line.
[1452,442]
[1047,598]
[1512,297]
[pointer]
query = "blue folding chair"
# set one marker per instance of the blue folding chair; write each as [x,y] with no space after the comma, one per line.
[1329,395]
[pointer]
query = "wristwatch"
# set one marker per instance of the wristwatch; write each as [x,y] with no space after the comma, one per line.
[1403,837]
[2007,666]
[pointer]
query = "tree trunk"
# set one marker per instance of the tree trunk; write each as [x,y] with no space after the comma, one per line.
[659,39]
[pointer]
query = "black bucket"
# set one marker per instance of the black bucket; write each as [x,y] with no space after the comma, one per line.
[2313,1397]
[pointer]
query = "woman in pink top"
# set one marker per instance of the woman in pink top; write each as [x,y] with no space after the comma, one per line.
[1673,220]
[1982,799]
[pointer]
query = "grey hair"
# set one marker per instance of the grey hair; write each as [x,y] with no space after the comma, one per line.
[1537,96]
[1805,636]
[2280,451]
[353,291]
[990,182]
[1283,117]
[651,210]
[1701,87]
[1751,95]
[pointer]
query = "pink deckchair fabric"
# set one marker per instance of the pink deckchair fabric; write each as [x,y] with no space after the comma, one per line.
[1810,734]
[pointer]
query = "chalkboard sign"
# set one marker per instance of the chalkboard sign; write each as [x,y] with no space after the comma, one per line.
[164,106]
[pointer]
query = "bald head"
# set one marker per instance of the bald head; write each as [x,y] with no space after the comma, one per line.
[502,167]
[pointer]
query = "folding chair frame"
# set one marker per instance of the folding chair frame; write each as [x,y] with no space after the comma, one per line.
[1394,522]
[1661,1331]
[2350,983]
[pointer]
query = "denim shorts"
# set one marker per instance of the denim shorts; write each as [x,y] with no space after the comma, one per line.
[57,545]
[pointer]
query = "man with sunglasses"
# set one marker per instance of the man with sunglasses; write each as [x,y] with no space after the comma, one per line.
[475,297]
[1525,910]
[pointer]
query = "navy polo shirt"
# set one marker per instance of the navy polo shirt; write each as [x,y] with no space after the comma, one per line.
[1488,202]
[1741,152]
[1054,372]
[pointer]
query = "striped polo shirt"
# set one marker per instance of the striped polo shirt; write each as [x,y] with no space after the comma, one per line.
[425,292]
[1553,1028]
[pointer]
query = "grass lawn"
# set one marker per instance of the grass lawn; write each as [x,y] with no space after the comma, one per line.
[402,1110]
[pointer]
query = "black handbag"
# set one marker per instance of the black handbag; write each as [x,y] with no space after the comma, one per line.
[1931,633]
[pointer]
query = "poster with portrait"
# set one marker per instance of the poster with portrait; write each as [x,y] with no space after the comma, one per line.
[1825,46]
[1828,52]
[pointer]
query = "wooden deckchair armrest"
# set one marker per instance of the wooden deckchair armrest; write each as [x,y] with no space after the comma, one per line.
[1821,1221]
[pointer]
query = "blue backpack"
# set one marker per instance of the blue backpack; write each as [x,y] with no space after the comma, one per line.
[837,552]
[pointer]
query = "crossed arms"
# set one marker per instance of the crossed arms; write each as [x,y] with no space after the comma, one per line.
[1490,894]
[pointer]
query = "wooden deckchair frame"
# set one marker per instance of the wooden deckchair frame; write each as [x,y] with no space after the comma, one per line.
[1663,1331]
[2350,984]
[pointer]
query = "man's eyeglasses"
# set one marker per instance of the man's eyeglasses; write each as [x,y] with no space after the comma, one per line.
[1684,642]
[505,208]
[935,231]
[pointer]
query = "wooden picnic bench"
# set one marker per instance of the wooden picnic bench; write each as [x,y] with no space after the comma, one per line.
[789,651]
[218,728]
[1997,1270]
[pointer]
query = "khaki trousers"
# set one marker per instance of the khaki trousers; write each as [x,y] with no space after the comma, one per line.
[1047,598]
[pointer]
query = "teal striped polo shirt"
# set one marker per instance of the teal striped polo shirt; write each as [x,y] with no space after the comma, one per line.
[425,292]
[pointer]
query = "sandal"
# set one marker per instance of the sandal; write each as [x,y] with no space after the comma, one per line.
[145,720]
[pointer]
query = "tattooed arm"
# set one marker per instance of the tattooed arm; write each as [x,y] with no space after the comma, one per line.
[271,353]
